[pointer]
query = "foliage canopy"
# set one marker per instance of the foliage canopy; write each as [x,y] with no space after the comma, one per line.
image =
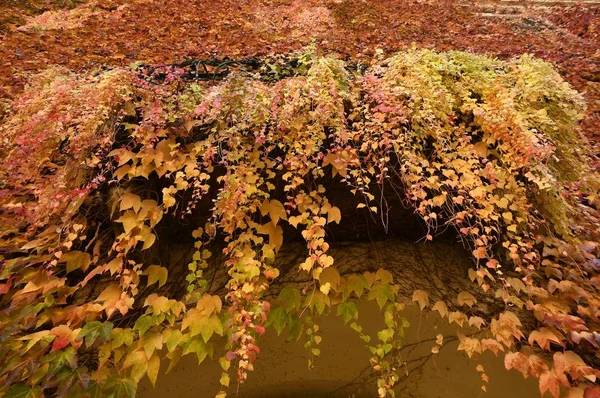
[96,167]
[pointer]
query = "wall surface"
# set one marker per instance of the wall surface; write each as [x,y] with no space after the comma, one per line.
[281,369]
[342,369]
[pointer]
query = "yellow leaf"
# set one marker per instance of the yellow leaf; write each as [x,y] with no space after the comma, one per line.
[477,193]
[466,298]
[440,307]
[76,260]
[480,148]
[439,200]
[307,264]
[114,265]
[457,317]
[156,273]
[331,276]
[275,210]
[129,221]
[275,233]
[476,321]
[421,297]
[325,260]
[295,220]
[121,172]
[209,304]
[470,345]
[334,215]
[130,201]
[148,237]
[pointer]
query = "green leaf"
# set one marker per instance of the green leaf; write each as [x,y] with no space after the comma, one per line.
[384,276]
[144,323]
[296,329]
[120,387]
[68,379]
[23,391]
[347,310]
[319,301]
[152,341]
[95,390]
[61,358]
[92,330]
[172,338]
[358,283]
[279,318]
[153,368]
[290,298]
[197,346]
[206,326]
[385,334]
[121,336]
[134,358]
[382,293]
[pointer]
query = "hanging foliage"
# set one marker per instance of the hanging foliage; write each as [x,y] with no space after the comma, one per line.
[97,169]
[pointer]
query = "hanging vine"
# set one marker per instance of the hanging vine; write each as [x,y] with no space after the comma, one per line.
[98,168]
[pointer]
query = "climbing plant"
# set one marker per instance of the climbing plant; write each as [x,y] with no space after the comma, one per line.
[237,157]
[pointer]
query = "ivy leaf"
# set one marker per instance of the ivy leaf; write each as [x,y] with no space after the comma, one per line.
[197,346]
[134,358]
[172,338]
[153,368]
[492,345]
[121,336]
[130,201]
[152,341]
[385,335]
[518,361]
[144,323]
[347,310]
[23,391]
[61,358]
[319,301]
[543,337]
[330,275]
[382,293]
[92,330]
[466,298]
[208,304]
[334,215]
[296,329]
[76,260]
[67,378]
[213,325]
[358,283]
[421,297]
[120,387]
[275,210]
[279,318]
[470,345]
[384,276]
[549,382]
[440,307]
[290,298]
[156,273]
[275,233]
